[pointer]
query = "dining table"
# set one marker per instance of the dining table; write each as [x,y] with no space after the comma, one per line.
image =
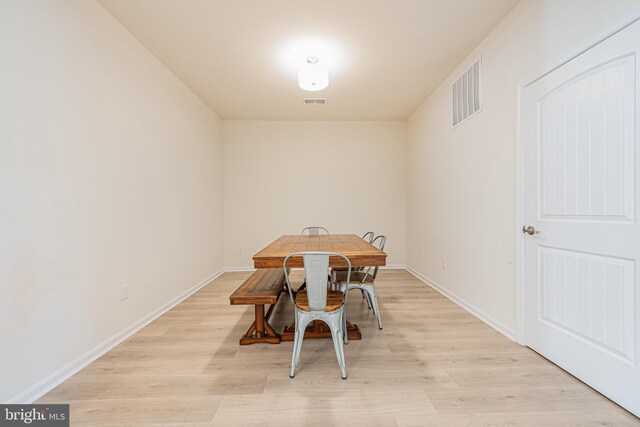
[360,253]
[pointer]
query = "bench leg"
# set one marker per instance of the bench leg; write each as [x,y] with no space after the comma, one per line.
[260,330]
[259,320]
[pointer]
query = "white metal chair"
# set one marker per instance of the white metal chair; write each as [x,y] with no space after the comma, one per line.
[368,236]
[365,281]
[314,231]
[318,302]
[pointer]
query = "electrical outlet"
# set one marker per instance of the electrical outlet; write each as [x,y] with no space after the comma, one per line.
[444,263]
[240,249]
[124,292]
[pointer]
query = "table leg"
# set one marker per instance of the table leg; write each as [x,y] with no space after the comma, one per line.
[260,330]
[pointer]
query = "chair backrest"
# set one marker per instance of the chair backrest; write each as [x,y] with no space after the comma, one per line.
[314,231]
[378,242]
[316,272]
[368,236]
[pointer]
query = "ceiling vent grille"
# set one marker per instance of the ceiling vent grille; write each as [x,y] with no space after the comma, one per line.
[315,101]
[465,94]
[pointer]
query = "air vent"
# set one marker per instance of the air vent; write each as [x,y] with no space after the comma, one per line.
[466,94]
[315,101]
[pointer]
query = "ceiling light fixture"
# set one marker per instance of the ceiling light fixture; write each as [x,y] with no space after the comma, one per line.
[313,77]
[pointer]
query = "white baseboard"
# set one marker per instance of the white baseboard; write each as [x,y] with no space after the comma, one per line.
[393,267]
[41,388]
[495,324]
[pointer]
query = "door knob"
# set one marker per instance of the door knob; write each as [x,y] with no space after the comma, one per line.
[530,230]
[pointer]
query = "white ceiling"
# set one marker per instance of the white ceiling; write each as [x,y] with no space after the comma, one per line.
[242,56]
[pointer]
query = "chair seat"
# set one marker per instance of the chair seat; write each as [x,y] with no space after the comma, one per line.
[356,277]
[335,299]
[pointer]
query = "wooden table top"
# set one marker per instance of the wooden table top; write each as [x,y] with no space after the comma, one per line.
[359,252]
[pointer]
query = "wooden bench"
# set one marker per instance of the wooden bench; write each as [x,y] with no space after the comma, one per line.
[263,287]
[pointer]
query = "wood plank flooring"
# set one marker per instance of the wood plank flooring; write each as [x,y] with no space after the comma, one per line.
[433,364]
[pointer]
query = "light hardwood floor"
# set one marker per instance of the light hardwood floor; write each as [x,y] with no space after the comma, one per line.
[433,364]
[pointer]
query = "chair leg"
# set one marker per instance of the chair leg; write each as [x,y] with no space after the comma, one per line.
[371,292]
[301,325]
[300,339]
[337,336]
[365,295]
[342,362]
[345,337]
[294,356]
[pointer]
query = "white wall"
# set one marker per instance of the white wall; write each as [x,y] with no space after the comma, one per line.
[281,176]
[110,173]
[461,182]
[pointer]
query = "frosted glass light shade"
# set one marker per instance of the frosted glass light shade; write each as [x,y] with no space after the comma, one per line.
[313,78]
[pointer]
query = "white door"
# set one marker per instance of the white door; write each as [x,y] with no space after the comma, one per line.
[582,182]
